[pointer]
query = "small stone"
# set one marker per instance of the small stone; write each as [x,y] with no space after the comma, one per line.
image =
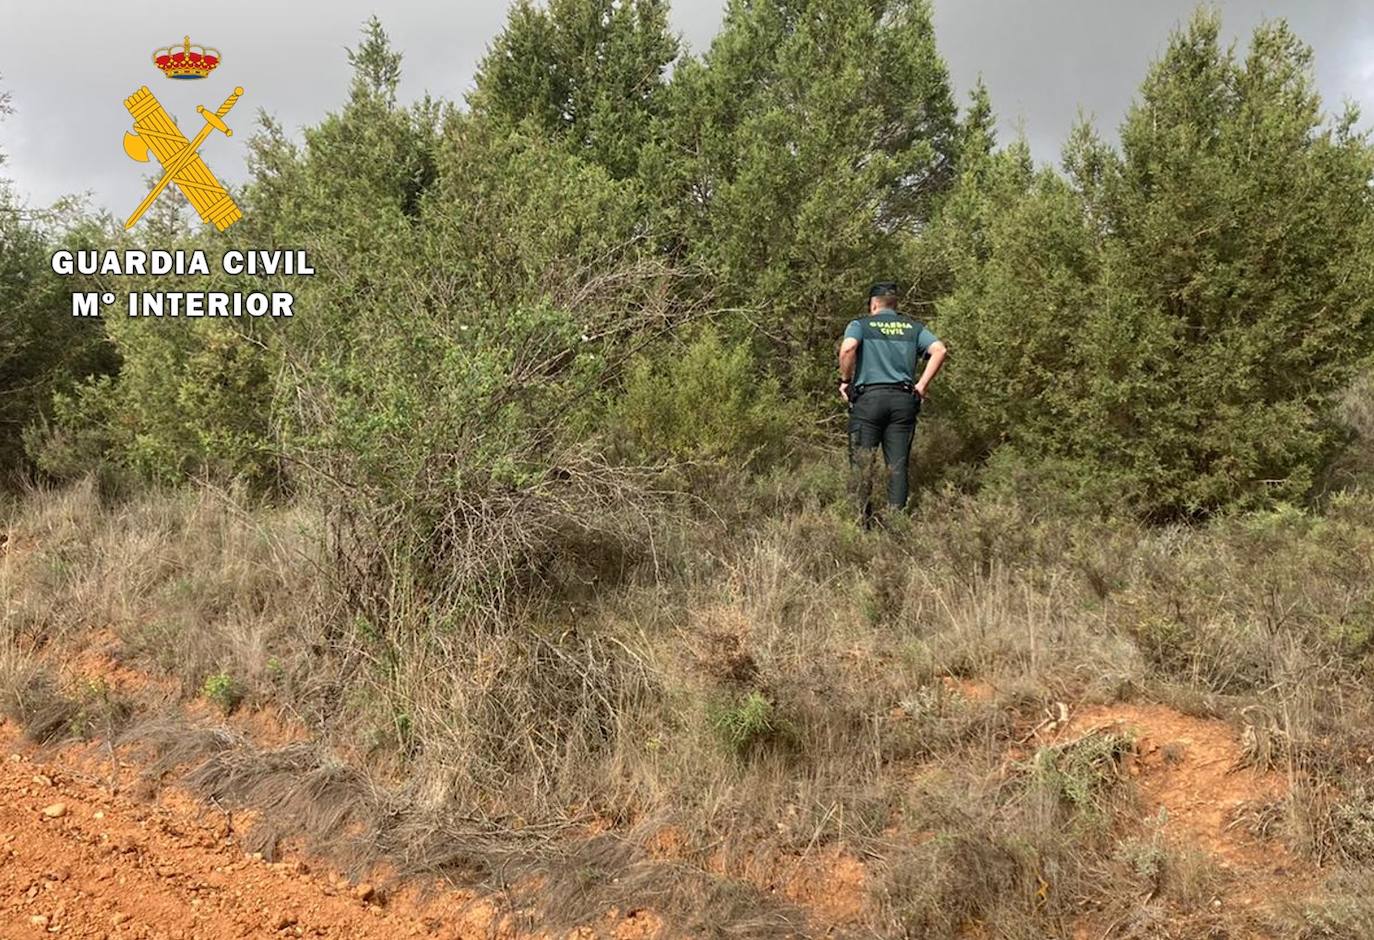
[99,814]
[364,892]
[39,920]
[55,811]
[283,921]
[42,780]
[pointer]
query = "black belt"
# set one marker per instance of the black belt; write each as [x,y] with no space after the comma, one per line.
[903,386]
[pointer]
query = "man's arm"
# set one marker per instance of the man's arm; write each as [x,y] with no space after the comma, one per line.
[849,355]
[937,352]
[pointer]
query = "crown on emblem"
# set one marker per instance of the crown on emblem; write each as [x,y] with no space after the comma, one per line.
[187,61]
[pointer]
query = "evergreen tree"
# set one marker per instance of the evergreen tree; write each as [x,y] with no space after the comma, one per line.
[812,137]
[590,72]
[978,127]
[363,168]
[351,196]
[1173,322]
[376,65]
[928,259]
[1239,220]
[1025,266]
[43,349]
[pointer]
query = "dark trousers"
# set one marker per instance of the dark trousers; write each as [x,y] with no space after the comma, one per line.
[882,418]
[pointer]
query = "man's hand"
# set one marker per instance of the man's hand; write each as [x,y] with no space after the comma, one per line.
[934,363]
[844,391]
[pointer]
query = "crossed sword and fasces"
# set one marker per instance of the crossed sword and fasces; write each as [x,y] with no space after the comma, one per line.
[155,130]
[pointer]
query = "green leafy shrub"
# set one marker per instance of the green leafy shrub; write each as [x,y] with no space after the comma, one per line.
[101,710]
[44,350]
[1080,775]
[1057,487]
[708,402]
[223,691]
[187,401]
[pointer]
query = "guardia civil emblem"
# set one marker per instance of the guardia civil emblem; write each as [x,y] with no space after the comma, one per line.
[156,132]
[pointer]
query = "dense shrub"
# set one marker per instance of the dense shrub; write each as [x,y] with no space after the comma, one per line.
[1167,325]
[44,351]
[708,403]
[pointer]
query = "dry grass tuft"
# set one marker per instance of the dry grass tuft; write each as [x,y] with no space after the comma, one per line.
[302,790]
[50,711]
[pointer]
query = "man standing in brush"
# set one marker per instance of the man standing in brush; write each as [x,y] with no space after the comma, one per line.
[878,359]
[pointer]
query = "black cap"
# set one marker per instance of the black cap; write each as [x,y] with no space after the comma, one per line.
[883,289]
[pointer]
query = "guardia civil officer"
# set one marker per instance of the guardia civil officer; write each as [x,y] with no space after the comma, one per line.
[878,359]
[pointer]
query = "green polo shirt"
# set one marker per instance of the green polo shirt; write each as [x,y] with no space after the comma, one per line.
[889,347]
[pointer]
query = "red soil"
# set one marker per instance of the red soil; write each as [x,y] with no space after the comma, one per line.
[80,858]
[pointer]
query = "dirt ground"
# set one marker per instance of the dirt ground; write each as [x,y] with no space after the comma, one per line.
[85,852]
[1190,774]
[1193,785]
[80,857]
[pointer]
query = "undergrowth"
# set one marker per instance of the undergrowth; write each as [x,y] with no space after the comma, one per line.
[724,689]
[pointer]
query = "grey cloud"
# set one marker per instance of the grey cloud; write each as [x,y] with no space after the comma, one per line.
[1043,62]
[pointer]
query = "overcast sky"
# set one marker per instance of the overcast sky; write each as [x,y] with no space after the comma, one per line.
[68,66]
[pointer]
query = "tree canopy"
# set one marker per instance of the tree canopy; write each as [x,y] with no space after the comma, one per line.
[1166,322]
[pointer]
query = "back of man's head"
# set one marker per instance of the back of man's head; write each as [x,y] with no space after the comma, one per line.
[882,295]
